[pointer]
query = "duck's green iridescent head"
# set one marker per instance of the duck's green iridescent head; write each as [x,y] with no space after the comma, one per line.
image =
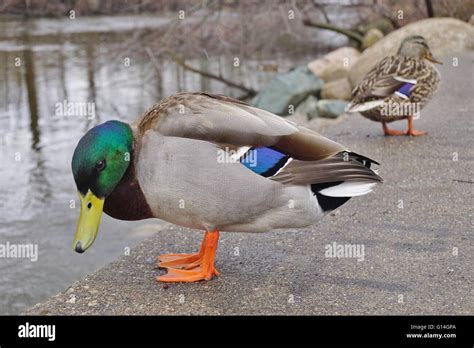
[100,160]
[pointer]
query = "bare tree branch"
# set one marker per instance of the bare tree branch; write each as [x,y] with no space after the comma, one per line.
[180,61]
[322,9]
[349,33]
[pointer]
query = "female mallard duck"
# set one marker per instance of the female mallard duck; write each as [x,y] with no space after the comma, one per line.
[398,86]
[213,163]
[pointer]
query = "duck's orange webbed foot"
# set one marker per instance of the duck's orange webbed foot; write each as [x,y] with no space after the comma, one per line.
[387,131]
[415,133]
[191,267]
[411,131]
[177,260]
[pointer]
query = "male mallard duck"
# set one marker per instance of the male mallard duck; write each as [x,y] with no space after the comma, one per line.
[398,86]
[213,163]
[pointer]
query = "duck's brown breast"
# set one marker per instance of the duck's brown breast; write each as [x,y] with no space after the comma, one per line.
[127,201]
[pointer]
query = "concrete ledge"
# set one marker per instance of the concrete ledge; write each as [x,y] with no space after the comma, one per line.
[409,227]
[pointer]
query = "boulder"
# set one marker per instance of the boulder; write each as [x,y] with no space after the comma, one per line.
[308,107]
[382,24]
[371,37]
[336,64]
[337,89]
[331,108]
[334,72]
[287,90]
[445,36]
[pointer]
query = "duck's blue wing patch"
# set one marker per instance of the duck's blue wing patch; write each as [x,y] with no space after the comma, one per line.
[405,90]
[264,161]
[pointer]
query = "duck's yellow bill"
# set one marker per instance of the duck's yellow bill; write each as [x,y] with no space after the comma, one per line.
[430,57]
[89,221]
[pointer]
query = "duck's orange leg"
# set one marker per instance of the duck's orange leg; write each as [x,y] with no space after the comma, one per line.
[388,131]
[191,267]
[411,131]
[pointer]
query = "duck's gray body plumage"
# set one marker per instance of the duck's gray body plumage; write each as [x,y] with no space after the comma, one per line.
[192,189]
[176,161]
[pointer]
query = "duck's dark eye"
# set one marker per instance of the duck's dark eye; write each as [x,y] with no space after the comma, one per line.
[100,165]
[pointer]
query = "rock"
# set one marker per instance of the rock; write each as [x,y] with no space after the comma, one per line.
[334,72]
[445,36]
[335,65]
[308,107]
[286,90]
[371,37]
[382,24]
[337,89]
[331,108]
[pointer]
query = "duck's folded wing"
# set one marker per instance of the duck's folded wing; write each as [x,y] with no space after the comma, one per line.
[387,86]
[226,121]
[215,118]
[389,76]
[342,167]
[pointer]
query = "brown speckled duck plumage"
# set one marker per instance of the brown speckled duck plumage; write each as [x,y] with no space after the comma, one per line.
[405,81]
[380,83]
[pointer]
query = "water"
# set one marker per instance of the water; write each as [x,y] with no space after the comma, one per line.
[44,62]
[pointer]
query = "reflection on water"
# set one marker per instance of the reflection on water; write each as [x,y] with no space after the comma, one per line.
[45,62]
[30,80]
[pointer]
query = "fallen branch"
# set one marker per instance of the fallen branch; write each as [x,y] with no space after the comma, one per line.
[180,61]
[429,8]
[349,33]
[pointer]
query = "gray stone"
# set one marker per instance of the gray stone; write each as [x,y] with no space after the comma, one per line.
[382,24]
[286,90]
[371,37]
[334,72]
[445,36]
[331,108]
[337,89]
[335,65]
[308,107]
